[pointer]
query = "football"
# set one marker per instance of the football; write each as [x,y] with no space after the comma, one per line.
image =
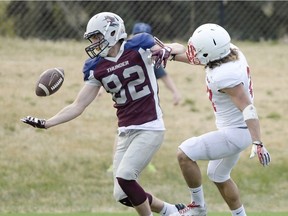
[49,82]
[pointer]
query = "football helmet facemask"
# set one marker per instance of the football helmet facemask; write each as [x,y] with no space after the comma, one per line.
[208,43]
[109,28]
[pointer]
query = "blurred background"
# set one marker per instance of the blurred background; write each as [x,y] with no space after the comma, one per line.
[65,169]
[170,20]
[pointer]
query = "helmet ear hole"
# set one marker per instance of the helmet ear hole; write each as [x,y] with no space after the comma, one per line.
[113,33]
[205,55]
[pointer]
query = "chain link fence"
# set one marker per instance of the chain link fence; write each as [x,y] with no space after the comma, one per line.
[55,20]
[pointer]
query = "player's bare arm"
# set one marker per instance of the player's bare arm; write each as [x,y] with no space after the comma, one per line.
[84,98]
[182,58]
[86,95]
[188,56]
[241,100]
[177,48]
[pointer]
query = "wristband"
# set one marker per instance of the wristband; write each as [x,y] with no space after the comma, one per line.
[172,57]
[257,143]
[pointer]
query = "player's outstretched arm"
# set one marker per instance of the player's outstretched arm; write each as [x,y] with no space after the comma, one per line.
[84,98]
[162,52]
[242,101]
[182,58]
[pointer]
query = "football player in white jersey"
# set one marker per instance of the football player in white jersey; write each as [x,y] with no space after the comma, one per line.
[125,69]
[230,90]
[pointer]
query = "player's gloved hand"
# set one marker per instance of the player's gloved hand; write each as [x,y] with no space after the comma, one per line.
[161,56]
[34,122]
[262,153]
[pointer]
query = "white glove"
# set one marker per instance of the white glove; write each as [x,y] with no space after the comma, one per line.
[262,153]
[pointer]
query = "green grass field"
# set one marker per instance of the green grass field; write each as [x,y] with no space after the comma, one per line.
[63,169]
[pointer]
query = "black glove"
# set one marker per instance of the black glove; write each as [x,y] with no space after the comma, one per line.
[34,122]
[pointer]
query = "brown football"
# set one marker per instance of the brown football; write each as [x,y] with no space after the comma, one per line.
[49,82]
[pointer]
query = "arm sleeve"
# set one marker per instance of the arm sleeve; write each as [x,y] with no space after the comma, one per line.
[142,40]
[88,72]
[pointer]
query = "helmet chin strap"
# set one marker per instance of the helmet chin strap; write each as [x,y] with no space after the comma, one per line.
[105,52]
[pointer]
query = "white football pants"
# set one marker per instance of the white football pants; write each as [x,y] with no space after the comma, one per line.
[222,148]
[134,152]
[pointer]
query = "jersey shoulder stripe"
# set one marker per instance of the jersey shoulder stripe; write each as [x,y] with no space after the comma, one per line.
[90,64]
[142,40]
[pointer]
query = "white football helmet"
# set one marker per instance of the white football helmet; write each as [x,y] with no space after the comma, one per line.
[111,26]
[208,43]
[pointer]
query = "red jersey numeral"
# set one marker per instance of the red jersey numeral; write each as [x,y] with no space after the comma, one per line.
[209,92]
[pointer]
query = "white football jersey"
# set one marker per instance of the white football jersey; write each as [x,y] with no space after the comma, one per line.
[228,75]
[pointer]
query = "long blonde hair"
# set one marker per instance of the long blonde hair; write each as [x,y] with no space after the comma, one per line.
[233,56]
